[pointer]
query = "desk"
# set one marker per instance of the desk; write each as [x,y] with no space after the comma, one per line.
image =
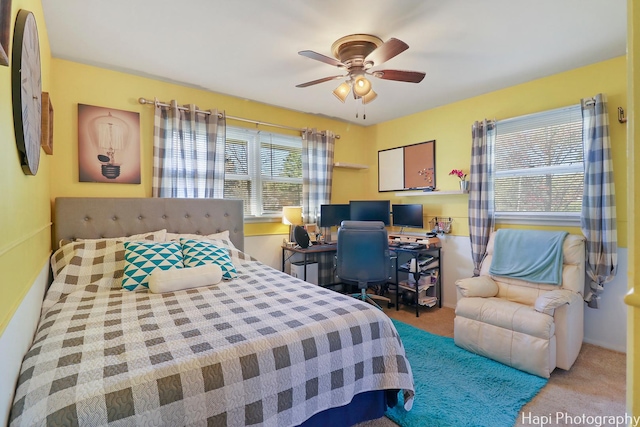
[433,250]
[314,249]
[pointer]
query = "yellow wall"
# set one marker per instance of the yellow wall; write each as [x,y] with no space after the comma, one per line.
[633,148]
[24,211]
[75,84]
[450,126]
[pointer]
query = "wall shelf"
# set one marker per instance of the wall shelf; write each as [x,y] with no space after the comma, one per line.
[349,165]
[429,193]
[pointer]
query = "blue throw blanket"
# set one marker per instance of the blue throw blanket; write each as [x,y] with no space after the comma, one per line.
[532,255]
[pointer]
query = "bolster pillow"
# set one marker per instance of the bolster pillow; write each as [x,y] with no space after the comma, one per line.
[177,279]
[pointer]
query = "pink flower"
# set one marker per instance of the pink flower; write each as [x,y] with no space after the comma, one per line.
[459,173]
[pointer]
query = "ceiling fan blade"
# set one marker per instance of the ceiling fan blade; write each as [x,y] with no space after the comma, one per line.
[322,58]
[399,75]
[322,80]
[386,51]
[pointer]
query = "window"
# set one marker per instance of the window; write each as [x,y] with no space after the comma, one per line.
[264,170]
[539,166]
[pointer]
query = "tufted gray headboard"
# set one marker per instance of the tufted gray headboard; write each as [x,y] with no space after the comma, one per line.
[96,217]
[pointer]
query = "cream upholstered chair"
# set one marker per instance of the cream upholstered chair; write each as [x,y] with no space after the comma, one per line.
[530,326]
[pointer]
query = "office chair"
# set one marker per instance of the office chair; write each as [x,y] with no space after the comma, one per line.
[363,257]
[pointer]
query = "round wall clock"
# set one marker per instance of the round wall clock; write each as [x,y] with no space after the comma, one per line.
[26,85]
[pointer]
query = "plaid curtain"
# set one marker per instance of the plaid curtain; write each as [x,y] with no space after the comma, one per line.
[317,171]
[188,152]
[481,206]
[598,219]
[317,177]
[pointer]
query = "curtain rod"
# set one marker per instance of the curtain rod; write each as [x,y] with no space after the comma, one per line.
[240,119]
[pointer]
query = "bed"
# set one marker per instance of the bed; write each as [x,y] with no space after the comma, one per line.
[262,348]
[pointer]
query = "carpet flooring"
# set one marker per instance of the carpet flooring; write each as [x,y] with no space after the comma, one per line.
[595,385]
[446,375]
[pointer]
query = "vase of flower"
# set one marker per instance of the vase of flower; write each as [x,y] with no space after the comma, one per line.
[464,184]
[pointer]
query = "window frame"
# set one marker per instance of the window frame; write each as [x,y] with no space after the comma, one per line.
[255,140]
[533,217]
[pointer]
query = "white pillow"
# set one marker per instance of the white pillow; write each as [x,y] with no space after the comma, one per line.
[176,236]
[223,235]
[156,236]
[177,279]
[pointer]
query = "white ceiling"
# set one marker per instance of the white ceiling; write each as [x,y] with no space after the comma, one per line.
[249,48]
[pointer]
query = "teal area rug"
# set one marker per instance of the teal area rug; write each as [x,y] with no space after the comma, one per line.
[456,388]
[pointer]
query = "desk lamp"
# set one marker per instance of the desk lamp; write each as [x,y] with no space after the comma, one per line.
[291,216]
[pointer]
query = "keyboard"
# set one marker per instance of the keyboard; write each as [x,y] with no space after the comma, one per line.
[412,246]
[405,245]
[324,243]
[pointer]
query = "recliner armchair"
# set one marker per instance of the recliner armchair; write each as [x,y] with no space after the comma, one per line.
[363,257]
[533,327]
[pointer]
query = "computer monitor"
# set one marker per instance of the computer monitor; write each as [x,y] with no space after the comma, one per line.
[333,215]
[370,210]
[407,216]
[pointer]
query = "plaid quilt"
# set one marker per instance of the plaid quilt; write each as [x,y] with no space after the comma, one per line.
[262,349]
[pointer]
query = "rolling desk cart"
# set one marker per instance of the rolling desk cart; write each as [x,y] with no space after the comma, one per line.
[434,265]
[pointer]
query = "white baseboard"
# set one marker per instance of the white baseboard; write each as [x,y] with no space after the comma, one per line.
[615,346]
[16,340]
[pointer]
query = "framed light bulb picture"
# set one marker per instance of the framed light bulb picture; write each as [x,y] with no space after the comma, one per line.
[108,145]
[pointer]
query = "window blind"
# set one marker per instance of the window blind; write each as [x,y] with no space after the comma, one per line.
[264,170]
[237,180]
[539,163]
[281,170]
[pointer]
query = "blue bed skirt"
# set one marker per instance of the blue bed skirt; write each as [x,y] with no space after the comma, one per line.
[364,407]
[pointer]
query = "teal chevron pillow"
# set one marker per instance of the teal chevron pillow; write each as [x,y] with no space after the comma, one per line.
[142,258]
[201,252]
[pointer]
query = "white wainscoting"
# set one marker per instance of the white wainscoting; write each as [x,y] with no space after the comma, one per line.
[266,249]
[605,327]
[16,340]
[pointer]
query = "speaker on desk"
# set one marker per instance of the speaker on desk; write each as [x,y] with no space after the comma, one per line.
[301,236]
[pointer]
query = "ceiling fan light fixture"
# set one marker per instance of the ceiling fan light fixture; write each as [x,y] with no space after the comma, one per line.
[361,86]
[369,97]
[357,54]
[342,91]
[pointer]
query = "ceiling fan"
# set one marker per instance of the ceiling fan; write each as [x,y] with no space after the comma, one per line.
[357,54]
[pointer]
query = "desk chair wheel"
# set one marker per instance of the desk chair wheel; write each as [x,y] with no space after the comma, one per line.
[382,291]
[364,296]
